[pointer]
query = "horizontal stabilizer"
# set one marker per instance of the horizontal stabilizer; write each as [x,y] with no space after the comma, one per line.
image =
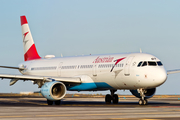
[12,67]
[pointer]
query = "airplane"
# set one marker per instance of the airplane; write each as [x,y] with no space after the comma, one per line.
[140,73]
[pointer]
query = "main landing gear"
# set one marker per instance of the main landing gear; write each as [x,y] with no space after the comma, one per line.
[113,97]
[57,102]
[142,101]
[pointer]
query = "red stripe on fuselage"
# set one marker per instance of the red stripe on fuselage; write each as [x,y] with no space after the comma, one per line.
[31,54]
[118,60]
[23,20]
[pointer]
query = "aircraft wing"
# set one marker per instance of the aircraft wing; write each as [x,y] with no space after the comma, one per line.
[39,79]
[173,71]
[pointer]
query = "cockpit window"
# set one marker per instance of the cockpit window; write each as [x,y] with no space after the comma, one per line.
[139,64]
[159,63]
[151,63]
[144,64]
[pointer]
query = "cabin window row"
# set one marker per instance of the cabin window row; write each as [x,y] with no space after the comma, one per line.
[44,68]
[86,66]
[109,65]
[79,67]
[68,67]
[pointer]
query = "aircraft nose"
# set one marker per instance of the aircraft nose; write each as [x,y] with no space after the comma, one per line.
[161,76]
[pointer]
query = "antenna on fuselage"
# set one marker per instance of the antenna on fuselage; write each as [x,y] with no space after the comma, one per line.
[140,50]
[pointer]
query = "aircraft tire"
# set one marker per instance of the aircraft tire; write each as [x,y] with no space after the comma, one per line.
[58,102]
[145,102]
[108,99]
[49,102]
[141,102]
[115,99]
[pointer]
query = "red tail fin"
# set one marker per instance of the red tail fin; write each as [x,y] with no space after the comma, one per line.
[31,54]
[30,51]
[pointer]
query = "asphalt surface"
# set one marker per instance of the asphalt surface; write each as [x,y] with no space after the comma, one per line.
[77,108]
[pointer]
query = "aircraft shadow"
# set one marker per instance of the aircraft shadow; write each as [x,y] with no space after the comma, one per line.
[40,102]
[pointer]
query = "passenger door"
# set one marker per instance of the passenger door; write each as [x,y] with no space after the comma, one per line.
[128,65]
[95,69]
[59,69]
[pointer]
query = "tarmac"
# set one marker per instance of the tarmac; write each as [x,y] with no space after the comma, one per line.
[80,107]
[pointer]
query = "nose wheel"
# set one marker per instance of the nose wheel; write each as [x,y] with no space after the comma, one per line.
[143,102]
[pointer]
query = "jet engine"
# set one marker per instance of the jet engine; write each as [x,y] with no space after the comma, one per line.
[147,92]
[53,90]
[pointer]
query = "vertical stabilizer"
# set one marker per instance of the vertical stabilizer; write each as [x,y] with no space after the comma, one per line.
[30,52]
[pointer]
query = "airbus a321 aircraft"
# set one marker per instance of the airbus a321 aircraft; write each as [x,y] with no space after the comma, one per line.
[138,72]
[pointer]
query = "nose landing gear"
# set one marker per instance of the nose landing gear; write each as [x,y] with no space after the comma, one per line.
[142,101]
[113,97]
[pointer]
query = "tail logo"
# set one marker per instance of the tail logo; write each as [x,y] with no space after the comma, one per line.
[117,61]
[24,38]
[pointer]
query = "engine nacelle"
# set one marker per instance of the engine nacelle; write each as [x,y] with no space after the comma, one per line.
[53,90]
[148,93]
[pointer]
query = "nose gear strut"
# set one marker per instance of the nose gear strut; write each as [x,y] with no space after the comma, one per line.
[143,100]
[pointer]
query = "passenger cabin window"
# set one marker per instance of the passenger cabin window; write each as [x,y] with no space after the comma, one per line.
[151,63]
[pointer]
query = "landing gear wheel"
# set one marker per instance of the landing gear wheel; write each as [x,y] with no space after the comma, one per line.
[58,102]
[49,102]
[115,99]
[108,99]
[143,102]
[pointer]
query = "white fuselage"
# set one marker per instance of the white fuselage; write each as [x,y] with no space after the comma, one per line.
[99,69]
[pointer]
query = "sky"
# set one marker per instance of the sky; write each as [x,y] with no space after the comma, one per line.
[83,27]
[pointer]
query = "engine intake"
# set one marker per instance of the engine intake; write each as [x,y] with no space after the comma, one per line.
[148,93]
[53,90]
